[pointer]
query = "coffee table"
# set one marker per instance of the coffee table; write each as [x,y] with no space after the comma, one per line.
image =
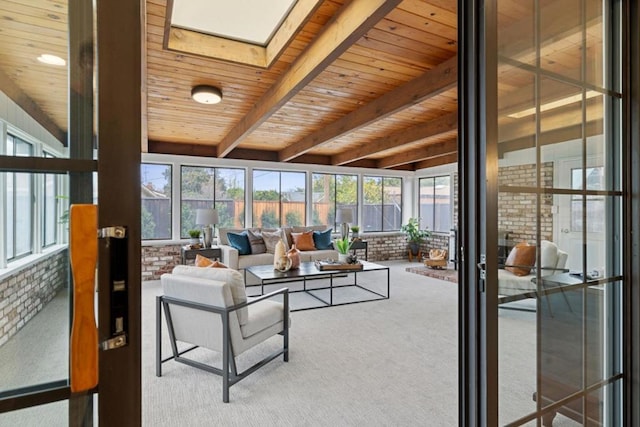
[308,272]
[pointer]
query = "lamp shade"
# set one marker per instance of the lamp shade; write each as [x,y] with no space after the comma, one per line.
[345,215]
[206,216]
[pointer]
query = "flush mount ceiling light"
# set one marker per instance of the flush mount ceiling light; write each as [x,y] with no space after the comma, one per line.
[49,59]
[206,94]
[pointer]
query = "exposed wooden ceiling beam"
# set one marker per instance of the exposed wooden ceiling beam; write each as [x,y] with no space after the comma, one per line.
[431,83]
[440,125]
[31,108]
[352,22]
[437,161]
[555,136]
[181,149]
[411,156]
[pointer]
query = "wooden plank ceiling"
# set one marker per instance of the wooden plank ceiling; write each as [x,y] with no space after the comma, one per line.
[365,82]
[368,83]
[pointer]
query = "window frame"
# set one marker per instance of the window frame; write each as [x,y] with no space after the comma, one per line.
[281,214]
[170,197]
[336,203]
[214,201]
[423,222]
[383,180]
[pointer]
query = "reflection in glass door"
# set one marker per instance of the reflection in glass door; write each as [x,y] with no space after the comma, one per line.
[560,201]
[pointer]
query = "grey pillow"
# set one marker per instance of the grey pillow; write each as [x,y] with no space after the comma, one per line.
[271,238]
[257,242]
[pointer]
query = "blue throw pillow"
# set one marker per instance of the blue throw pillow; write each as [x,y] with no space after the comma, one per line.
[322,239]
[240,241]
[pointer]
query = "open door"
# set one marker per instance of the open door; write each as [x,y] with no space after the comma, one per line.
[55,154]
[542,159]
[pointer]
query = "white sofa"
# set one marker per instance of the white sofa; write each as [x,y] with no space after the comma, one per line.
[232,259]
[553,261]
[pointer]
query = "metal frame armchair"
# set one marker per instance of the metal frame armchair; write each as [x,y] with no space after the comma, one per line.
[207,308]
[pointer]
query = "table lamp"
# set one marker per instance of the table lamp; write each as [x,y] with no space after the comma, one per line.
[207,218]
[345,216]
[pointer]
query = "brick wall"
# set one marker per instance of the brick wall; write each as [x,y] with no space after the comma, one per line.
[517,211]
[159,259]
[26,291]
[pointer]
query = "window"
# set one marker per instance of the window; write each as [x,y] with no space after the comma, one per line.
[49,213]
[155,180]
[435,203]
[279,198]
[330,193]
[19,203]
[204,188]
[595,204]
[382,210]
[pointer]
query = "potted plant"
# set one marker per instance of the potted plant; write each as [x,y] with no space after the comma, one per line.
[415,236]
[355,230]
[342,246]
[195,236]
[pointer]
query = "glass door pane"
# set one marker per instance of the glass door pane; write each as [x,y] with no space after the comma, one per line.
[559,213]
[46,131]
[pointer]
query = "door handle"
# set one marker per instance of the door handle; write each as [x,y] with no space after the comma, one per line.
[83,253]
[565,230]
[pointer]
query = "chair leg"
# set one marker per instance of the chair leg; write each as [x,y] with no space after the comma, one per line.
[232,361]
[225,357]
[285,335]
[158,336]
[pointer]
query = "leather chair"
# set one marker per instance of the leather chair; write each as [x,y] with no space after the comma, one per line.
[208,308]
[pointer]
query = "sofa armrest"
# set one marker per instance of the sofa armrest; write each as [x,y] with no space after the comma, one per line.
[229,256]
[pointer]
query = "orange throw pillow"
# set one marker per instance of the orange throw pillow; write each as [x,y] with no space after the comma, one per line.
[304,241]
[521,259]
[206,262]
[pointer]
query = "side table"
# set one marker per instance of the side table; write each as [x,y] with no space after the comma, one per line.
[361,244]
[187,254]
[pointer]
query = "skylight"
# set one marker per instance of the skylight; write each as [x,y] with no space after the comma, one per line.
[251,21]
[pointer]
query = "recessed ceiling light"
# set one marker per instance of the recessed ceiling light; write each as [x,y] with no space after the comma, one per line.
[48,59]
[206,94]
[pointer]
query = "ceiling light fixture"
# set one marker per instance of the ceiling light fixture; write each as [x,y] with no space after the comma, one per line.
[206,94]
[554,104]
[49,59]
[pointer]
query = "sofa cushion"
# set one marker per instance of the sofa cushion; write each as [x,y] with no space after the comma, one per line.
[521,259]
[322,239]
[256,242]
[548,255]
[304,241]
[271,239]
[239,241]
[259,259]
[233,277]
[222,233]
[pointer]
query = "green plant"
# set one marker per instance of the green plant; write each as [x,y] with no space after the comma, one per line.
[194,234]
[355,228]
[342,245]
[413,232]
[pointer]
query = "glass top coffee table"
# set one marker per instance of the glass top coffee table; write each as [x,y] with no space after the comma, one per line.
[327,288]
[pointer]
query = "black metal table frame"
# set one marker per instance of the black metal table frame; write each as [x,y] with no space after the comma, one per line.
[323,275]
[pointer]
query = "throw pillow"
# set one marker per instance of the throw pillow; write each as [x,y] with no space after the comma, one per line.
[256,242]
[233,277]
[304,241]
[521,259]
[322,239]
[240,241]
[207,263]
[271,238]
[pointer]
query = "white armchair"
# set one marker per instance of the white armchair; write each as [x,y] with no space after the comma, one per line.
[208,308]
[553,261]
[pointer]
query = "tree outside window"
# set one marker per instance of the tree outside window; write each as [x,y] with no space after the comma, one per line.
[382,210]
